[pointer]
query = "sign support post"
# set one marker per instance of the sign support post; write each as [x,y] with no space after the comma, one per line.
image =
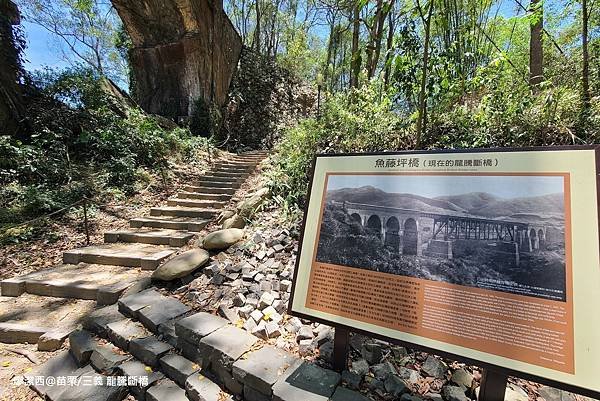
[340,349]
[493,386]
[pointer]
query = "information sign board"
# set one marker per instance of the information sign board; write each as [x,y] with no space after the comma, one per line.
[489,255]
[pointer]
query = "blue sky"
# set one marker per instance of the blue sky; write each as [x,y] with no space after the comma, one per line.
[434,186]
[44,49]
[41,49]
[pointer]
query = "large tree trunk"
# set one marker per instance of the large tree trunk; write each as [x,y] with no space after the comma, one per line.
[536,50]
[356,61]
[182,50]
[11,103]
[585,75]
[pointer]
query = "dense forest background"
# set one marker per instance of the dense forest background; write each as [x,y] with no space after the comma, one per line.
[387,74]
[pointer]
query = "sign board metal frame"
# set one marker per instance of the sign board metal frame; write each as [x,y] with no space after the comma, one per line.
[494,376]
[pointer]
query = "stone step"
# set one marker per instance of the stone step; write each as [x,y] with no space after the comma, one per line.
[250,166]
[209,189]
[136,369]
[181,211]
[152,309]
[228,168]
[148,257]
[178,368]
[305,381]
[43,320]
[166,390]
[150,236]
[216,183]
[227,179]
[228,174]
[250,155]
[218,349]
[261,369]
[236,160]
[98,320]
[169,222]
[206,196]
[254,159]
[88,384]
[101,283]
[198,203]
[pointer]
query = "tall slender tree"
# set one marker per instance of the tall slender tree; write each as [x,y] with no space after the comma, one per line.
[257,8]
[585,75]
[383,9]
[536,48]
[422,113]
[387,68]
[356,58]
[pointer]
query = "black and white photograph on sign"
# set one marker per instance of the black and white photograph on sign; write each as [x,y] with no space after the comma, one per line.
[496,232]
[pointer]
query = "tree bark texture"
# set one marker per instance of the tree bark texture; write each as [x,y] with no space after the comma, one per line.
[182,50]
[11,104]
[585,75]
[422,116]
[356,60]
[536,50]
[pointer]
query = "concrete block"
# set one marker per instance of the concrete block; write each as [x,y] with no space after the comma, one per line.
[54,339]
[262,368]
[193,328]
[343,394]
[149,349]
[105,359]
[123,331]
[81,346]
[166,390]
[304,381]
[200,388]
[136,369]
[178,368]
[98,320]
[163,310]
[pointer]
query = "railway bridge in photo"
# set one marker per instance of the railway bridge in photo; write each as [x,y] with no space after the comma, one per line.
[407,230]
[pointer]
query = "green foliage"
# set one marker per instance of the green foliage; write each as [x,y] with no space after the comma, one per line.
[360,120]
[82,142]
[300,57]
[495,110]
[498,109]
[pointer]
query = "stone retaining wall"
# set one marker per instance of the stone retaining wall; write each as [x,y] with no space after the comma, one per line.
[264,99]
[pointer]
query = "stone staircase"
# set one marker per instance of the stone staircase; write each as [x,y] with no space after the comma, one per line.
[153,347]
[120,266]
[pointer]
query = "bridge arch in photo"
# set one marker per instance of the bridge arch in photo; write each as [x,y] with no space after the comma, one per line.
[415,232]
